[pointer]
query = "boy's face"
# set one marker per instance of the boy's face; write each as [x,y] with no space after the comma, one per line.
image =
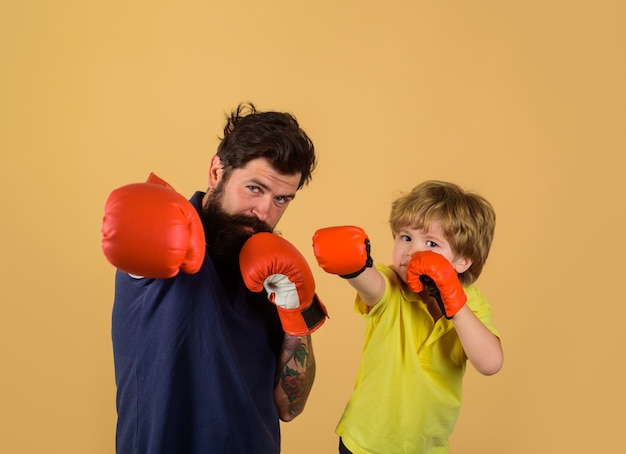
[409,240]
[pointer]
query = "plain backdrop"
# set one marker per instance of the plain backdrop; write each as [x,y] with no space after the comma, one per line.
[523,102]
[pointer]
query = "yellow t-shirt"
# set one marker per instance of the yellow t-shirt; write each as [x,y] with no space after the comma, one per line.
[408,389]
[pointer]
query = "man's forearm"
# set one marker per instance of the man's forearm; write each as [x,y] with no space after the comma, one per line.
[294,376]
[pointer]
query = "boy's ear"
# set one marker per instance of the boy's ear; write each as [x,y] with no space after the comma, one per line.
[462,264]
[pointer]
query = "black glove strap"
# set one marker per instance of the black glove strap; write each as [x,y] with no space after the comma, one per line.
[434,292]
[315,314]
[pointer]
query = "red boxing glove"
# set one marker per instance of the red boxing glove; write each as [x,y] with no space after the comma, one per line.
[150,230]
[271,262]
[343,250]
[432,270]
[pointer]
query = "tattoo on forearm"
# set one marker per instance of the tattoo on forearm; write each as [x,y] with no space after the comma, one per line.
[297,370]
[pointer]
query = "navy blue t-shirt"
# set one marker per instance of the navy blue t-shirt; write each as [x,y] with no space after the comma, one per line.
[194,365]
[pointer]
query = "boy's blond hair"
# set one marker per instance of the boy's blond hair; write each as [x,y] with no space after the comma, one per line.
[468,220]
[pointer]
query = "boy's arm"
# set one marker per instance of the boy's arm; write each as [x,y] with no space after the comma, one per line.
[429,272]
[370,285]
[481,346]
[345,251]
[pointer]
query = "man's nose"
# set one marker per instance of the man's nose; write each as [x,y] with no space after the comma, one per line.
[262,209]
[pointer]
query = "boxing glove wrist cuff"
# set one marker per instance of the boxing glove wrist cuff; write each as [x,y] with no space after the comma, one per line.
[315,314]
[368,264]
[302,322]
[434,292]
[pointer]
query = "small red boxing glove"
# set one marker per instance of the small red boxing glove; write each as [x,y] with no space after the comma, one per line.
[150,230]
[433,271]
[271,262]
[342,250]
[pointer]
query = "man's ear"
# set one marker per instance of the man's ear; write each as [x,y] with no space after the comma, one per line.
[216,171]
[462,264]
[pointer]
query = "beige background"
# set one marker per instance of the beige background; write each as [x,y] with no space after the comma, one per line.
[521,101]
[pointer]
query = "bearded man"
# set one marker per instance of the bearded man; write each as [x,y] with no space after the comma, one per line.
[205,361]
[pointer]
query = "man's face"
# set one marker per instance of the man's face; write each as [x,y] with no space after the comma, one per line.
[257,190]
[251,199]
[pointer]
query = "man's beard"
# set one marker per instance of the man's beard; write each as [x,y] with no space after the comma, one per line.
[226,234]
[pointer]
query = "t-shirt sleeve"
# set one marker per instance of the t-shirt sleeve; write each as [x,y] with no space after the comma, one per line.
[481,308]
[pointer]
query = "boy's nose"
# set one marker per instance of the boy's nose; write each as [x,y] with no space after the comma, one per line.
[415,249]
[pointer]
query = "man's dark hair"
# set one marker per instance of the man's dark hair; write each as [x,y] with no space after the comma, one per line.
[275,136]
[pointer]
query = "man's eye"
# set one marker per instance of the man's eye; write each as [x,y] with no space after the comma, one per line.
[283,200]
[254,189]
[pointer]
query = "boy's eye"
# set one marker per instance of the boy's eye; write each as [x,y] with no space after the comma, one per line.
[430,243]
[405,238]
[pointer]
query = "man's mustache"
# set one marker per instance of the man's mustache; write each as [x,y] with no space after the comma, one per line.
[250,221]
